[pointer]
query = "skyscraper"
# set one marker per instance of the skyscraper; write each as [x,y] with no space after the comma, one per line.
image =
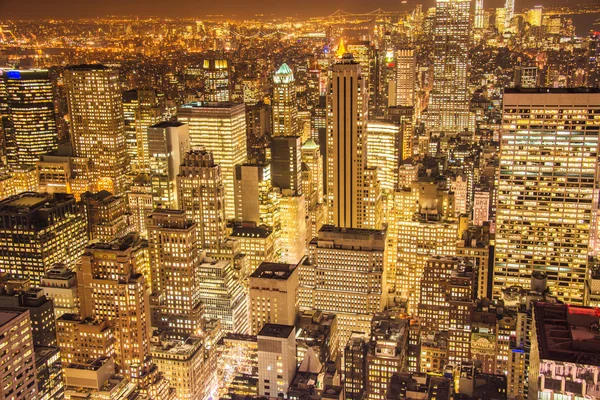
[37,231]
[220,128]
[406,77]
[547,189]
[384,151]
[448,109]
[167,143]
[346,145]
[286,161]
[509,9]
[175,260]
[29,123]
[97,124]
[479,15]
[284,108]
[217,80]
[202,196]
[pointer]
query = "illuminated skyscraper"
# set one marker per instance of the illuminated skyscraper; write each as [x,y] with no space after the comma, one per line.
[509,9]
[284,108]
[113,287]
[406,77]
[347,186]
[167,142]
[221,129]
[448,109]
[175,280]
[479,15]
[97,124]
[106,216]
[312,187]
[29,123]
[547,189]
[384,151]
[141,109]
[217,79]
[202,197]
[38,231]
[255,199]
[345,274]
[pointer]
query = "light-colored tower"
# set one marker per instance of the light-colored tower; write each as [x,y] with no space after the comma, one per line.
[175,279]
[142,109]
[345,274]
[168,142]
[448,109]
[283,107]
[509,10]
[97,123]
[547,189]
[113,287]
[276,359]
[30,124]
[479,15]
[19,375]
[346,145]
[202,197]
[273,289]
[406,77]
[384,151]
[220,128]
[255,199]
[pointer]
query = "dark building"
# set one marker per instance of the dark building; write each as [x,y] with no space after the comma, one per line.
[355,367]
[286,162]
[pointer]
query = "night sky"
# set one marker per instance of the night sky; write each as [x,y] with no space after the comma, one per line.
[33,9]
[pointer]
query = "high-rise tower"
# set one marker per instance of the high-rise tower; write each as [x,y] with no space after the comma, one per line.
[547,189]
[448,109]
[406,75]
[30,123]
[97,123]
[284,108]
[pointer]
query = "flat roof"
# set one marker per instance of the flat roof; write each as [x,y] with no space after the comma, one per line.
[168,124]
[276,330]
[519,90]
[271,270]
[7,316]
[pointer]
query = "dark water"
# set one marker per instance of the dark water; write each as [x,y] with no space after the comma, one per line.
[584,23]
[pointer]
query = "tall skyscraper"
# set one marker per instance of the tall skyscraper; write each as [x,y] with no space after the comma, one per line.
[346,145]
[384,151]
[38,231]
[113,287]
[167,143]
[220,128]
[284,108]
[479,15]
[353,290]
[141,109]
[448,109]
[29,124]
[217,79]
[175,261]
[547,188]
[509,9]
[202,197]
[286,162]
[276,359]
[97,124]
[255,199]
[406,77]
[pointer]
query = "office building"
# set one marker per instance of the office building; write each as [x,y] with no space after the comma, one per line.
[96,379]
[355,367]
[221,129]
[344,274]
[202,197]
[255,199]
[547,188]
[384,151]
[448,109]
[272,295]
[168,142]
[97,124]
[19,376]
[61,172]
[81,340]
[113,287]
[107,216]
[29,124]
[286,161]
[283,106]
[256,242]
[50,380]
[30,222]
[175,279]
[59,284]
[142,108]
[347,186]
[217,79]
[276,359]
[140,202]
[406,77]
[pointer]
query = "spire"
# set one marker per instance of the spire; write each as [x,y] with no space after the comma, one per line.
[341,50]
[284,74]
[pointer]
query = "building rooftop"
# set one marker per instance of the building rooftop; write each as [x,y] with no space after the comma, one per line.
[577,90]
[7,316]
[271,270]
[251,231]
[568,333]
[168,124]
[276,330]
[87,67]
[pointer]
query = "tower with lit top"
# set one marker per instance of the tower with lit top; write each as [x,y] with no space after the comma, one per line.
[284,108]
